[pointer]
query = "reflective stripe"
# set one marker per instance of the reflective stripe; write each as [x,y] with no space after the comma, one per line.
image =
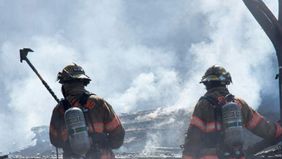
[187,157]
[99,127]
[256,118]
[278,132]
[74,103]
[213,126]
[237,101]
[106,154]
[90,104]
[209,157]
[208,127]
[199,123]
[64,134]
[90,128]
[53,131]
[221,100]
[113,124]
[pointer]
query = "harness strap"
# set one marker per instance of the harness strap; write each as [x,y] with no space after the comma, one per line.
[84,98]
[100,140]
[217,109]
[222,152]
[217,118]
[210,99]
[65,103]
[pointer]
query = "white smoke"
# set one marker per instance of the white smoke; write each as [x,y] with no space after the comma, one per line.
[140,54]
[150,91]
[236,42]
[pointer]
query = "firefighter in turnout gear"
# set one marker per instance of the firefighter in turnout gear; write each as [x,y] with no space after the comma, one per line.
[83,124]
[215,130]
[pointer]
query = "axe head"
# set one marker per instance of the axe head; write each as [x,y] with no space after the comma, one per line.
[24,52]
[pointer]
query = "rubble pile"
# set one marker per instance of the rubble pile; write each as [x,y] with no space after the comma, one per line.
[150,134]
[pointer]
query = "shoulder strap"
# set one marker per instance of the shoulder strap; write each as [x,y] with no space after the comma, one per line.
[82,100]
[217,109]
[228,98]
[65,103]
[84,97]
[210,99]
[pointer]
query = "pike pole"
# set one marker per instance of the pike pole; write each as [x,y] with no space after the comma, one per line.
[23,57]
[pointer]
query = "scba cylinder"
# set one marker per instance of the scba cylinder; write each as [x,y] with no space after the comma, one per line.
[232,123]
[77,131]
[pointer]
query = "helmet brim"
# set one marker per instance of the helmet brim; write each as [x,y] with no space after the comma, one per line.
[210,78]
[81,76]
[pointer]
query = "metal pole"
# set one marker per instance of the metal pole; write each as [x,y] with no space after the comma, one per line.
[43,81]
[23,57]
[272,28]
[280,12]
[280,90]
[279,54]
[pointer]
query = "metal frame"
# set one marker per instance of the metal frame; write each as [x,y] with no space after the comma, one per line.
[273,29]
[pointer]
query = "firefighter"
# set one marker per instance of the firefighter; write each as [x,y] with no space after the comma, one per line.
[211,130]
[103,126]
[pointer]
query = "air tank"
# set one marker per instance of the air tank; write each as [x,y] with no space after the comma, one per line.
[77,131]
[232,124]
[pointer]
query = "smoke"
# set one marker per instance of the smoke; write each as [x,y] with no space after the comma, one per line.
[139,54]
[150,91]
